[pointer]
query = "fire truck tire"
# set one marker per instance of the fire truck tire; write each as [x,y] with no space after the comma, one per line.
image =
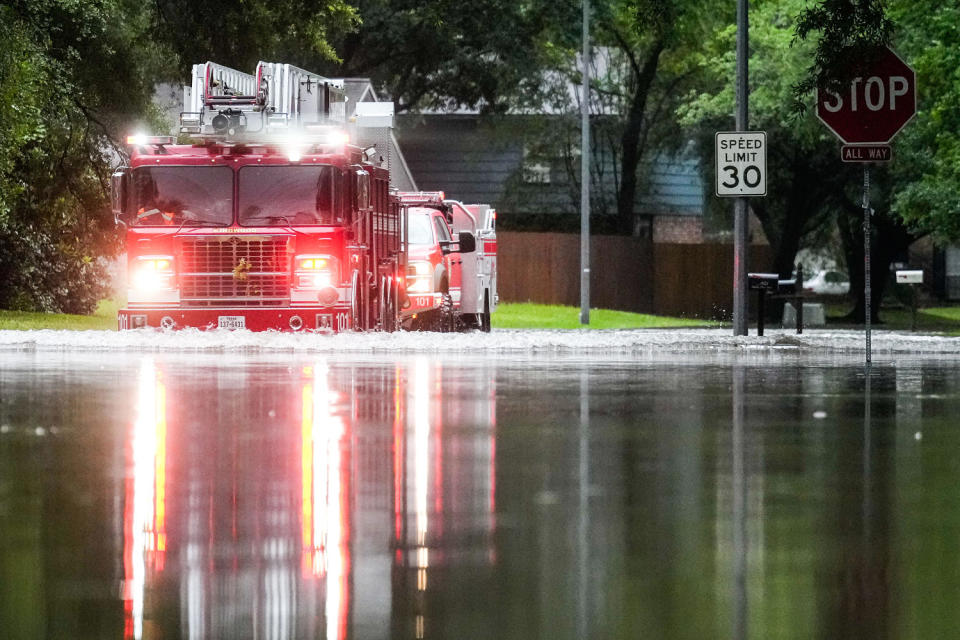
[485,316]
[446,320]
[388,316]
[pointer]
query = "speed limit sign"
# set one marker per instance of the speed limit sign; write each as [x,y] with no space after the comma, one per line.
[741,163]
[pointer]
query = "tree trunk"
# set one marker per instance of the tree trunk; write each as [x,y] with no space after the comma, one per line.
[630,139]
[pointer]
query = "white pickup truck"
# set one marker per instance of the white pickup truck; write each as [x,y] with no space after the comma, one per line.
[478,293]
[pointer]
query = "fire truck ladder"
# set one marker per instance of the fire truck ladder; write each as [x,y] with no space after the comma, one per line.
[305,98]
[285,95]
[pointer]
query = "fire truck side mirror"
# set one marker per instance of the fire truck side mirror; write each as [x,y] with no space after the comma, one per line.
[465,243]
[361,190]
[468,243]
[118,193]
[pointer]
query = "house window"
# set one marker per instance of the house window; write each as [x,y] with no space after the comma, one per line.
[535,170]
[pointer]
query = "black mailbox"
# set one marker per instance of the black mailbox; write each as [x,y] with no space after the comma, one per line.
[763,282]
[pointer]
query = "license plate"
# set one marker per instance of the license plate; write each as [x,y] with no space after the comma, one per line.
[231,322]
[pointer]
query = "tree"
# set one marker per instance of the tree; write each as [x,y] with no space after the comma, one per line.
[927,167]
[240,34]
[804,175]
[848,33]
[643,59]
[70,74]
[446,54]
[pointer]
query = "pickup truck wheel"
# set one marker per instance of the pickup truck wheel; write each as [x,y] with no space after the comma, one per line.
[446,321]
[485,316]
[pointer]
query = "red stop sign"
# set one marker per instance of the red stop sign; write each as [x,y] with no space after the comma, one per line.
[875,106]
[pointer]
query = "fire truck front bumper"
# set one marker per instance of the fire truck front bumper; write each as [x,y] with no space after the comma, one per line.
[279,319]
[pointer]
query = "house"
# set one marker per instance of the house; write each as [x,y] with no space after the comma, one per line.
[495,161]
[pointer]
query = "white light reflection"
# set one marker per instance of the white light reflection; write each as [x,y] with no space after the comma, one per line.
[325,533]
[145,507]
[421,443]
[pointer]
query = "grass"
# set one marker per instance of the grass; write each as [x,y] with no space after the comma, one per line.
[508,316]
[104,318]
[930,319]
[528,315]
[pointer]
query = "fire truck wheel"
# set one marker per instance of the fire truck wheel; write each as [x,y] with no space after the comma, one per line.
[446,320]
[387,315]
[485,316]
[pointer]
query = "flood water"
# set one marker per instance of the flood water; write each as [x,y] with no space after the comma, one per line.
[414,496]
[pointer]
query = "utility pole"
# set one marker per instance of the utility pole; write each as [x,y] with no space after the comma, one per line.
[585,171]
[740,215]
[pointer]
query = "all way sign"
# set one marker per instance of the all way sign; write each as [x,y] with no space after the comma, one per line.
[741,163]
[866,153]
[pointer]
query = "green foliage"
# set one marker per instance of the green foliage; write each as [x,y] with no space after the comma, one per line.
[849,33]
[240,34]
[446,53]
[806,181]
[927,162]
[71,72]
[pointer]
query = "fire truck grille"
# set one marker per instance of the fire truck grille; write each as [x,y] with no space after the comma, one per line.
[236,271]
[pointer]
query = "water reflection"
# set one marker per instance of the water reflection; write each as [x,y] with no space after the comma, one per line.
[274,527]
[168,497]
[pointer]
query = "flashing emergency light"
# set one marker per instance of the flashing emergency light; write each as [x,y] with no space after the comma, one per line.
[315,271]
[142,139]
[153,273]
[294,151]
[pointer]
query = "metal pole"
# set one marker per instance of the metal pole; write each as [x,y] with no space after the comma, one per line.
[866,255]
[585,172]
[740,217]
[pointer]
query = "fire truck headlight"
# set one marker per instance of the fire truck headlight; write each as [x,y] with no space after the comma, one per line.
[315,272]
[153,273]
[419,277]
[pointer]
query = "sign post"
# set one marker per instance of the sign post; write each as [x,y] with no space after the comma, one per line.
[866,115]
[741,160]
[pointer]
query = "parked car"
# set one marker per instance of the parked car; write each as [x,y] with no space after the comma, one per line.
[830,283]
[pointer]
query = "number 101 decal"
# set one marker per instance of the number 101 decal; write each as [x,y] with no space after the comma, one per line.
[333,321]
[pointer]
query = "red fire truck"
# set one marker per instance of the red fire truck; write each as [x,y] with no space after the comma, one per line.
[451,263]
[274,215]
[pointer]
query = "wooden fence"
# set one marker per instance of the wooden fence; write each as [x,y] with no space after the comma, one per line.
[629,274]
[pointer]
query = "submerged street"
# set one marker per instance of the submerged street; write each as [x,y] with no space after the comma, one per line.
[546,493]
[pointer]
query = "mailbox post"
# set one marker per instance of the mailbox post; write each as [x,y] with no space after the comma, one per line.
[912,277]
[770,284]
[762,283]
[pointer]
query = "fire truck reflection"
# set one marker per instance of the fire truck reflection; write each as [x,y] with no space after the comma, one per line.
[322,506]
[144,531]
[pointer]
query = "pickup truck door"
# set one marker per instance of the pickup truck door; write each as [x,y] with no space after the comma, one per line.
[454,261]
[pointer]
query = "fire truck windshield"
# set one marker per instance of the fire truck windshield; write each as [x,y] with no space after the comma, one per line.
[196,196]
[285,195]
[420,229]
